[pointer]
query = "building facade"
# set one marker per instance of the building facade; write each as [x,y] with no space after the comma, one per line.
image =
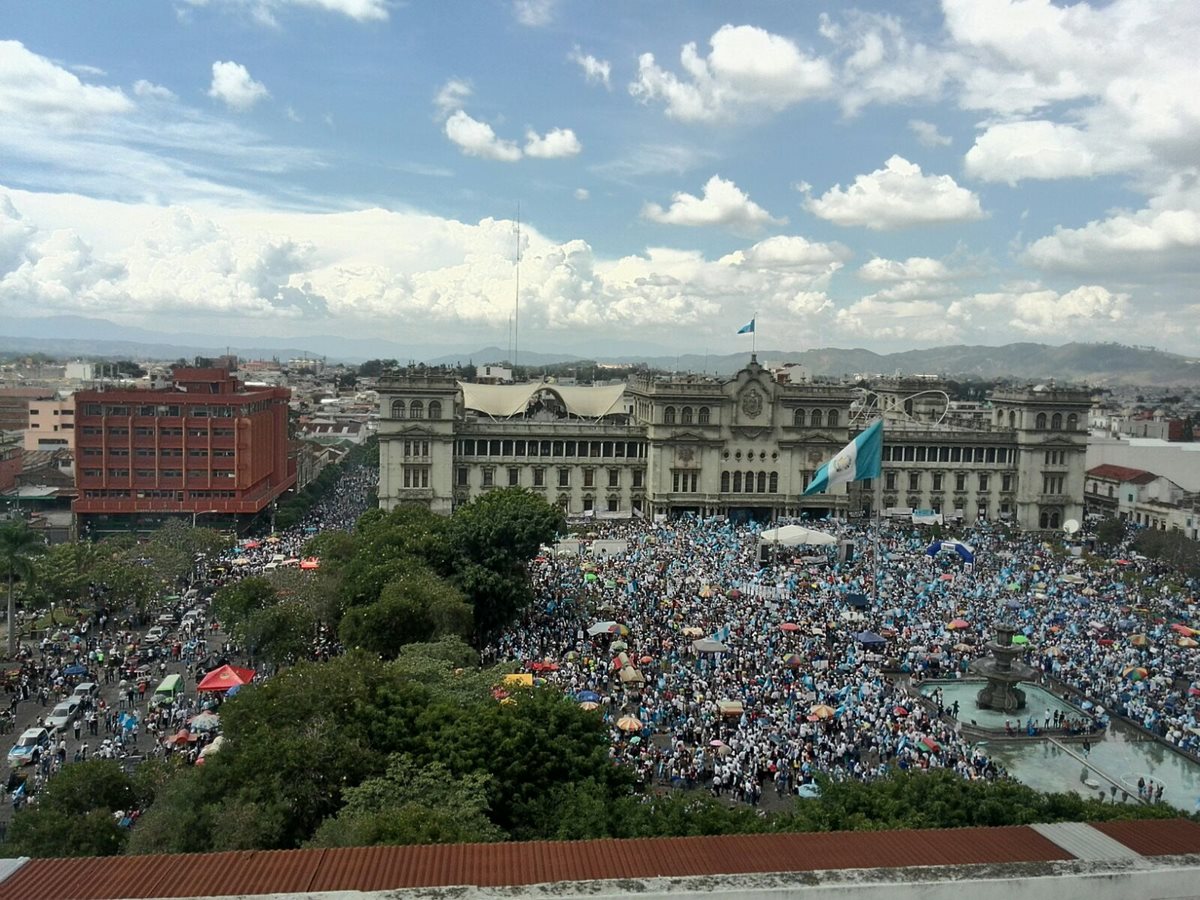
[51,424]
[206,447]
[1142,498]
[744,447]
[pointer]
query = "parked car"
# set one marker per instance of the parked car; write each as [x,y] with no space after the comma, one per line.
[61,716]
[32,743]
[86,689]
[166,618]
[155,634]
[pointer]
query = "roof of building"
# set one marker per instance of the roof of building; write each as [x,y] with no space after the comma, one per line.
[505,400]
[1124,474]
[290,872]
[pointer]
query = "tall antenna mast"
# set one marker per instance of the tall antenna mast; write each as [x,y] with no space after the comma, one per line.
[517,299]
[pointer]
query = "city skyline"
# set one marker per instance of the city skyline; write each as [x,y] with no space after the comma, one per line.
[885,176]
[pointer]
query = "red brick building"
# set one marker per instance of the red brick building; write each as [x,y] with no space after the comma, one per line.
[208,446]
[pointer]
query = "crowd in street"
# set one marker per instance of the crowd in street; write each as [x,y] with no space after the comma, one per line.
[810,672]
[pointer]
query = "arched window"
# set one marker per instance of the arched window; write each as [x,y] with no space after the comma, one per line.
[1056,422]
[762,482]
[1072,422]
[749,482]
[416,410]
[816,418]
[1054,523]
[737,482]
[1044,521]
[1110,492]
[798,418]
[685,416]
[435,409]
[774,483]
[702,416]
[1041,421]
[669,415]
[724,482]
[1012,419]
[832,421]
[399,408]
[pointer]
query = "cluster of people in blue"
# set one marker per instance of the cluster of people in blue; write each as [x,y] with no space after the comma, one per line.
[748,675]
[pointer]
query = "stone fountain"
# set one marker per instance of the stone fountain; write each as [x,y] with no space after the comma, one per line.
[1003,672]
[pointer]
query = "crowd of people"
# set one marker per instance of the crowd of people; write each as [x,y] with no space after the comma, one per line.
[802,666]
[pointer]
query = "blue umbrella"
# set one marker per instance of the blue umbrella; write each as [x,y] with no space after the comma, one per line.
[233,690]
[75,670]
[1012,604]
[588,697]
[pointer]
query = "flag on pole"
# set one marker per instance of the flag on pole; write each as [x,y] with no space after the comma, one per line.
[859,460]
[748,328]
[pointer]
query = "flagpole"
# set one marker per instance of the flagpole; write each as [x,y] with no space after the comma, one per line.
[754,334]
[878,504]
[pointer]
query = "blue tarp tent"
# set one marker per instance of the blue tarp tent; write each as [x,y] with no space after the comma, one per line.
[965,552]
[870,639]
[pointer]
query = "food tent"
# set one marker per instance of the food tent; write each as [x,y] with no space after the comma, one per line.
[796,536]
[225,677]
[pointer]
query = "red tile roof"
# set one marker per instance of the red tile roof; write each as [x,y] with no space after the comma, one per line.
[490,865]
[1121,473]
[1155,837]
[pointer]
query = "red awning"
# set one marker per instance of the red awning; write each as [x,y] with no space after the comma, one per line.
[224,678]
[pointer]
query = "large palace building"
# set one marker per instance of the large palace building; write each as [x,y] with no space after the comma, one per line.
[744,447]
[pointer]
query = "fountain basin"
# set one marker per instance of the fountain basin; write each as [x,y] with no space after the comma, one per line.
[965,691]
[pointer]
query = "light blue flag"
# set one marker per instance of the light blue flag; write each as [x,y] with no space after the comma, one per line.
[748,328]
[859,460]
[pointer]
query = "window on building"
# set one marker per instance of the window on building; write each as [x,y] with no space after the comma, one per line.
[960,482]
[399,408]
[435,409]
[587,504]
[489,477]
[685,416]
[816,418]
[774,483]
[416,410]
[1041,421]
[749,482]
[669,415]
[889,480]
[514,476]
[983,483]
[1072,422]
[762,482]
[674,482]
[1056,422]
[737,482]
[614,478]
[638,477]
[798,418]
[614,504]
[937,481]
[564,478]
[832,420]
[914,481]
[1006,482]
[539,477]
[589,478]
[702,417]
[460,476]
[724,482]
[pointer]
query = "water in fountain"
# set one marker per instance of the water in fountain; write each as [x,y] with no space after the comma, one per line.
[1003,672]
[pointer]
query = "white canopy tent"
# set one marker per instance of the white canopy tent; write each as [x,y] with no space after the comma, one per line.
[796,536]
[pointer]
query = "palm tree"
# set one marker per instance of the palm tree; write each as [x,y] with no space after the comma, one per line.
[18,546]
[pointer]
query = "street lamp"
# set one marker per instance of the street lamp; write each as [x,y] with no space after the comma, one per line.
[203,512]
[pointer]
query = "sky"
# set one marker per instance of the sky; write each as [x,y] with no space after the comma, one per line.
[884,175]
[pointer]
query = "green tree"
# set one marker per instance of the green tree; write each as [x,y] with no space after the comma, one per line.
[74,815]
[19,545]
[234,603]
[412,804]
[417,606]
[1111,531]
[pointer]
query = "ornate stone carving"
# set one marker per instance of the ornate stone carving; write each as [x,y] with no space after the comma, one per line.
[752,403]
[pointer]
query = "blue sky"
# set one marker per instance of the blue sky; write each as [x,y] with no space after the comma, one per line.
[881,175]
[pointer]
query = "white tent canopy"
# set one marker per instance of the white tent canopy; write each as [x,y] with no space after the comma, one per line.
[504,400]
[795,536]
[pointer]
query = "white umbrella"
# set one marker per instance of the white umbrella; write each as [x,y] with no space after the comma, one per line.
[795,536]
[708,645]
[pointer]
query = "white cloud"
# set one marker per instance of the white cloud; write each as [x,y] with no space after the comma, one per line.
[1162,238]
[558,143]
[897,196]
[652,159]
[582,194]
[884,65]
[792,253]
[1011,151]
[477,138]
[264,10]
[451,96]
[37,92]
[723,204]
[233,86]
[915,268]
[908,320]
[150,90]
[534,13]
[1047,312]
[748,69]
[927,133]
[596,71]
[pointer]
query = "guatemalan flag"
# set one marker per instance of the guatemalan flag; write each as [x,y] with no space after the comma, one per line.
[862,458]
[748,328]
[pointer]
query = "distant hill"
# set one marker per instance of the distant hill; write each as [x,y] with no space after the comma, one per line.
[1099,364]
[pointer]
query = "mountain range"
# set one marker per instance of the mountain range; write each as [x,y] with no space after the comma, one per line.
[1097,364]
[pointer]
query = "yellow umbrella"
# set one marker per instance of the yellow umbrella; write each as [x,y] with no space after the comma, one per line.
[629,724]
[821,711]
[1139,640]
[589,705]
[524,679]
[1188,642]
[693,631]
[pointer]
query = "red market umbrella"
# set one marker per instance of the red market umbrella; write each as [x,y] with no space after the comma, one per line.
[646,660]
[930,744]
[311,563]
[958,623]
[900,711]
[225,677]
[789,626]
